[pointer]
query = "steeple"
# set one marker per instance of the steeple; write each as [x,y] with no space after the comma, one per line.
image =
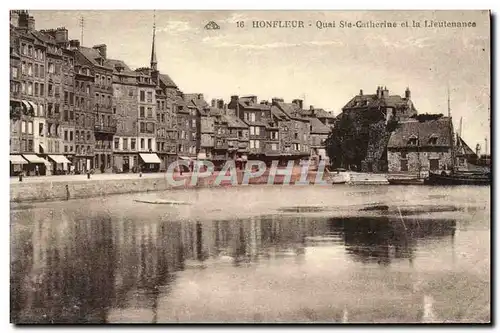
[153,51]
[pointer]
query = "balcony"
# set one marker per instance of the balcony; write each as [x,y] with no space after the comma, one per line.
[100,128]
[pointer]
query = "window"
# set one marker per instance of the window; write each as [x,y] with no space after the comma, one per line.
[274,146]
[252,144]
[30,127]
[131,92]
[36,70]
[274,135]
[142,96]
[30,50]
[141,112]
[30,145]
[40,129]
[30,69]
[257,130]
[51,68]
[42,89]
[23,87]
[65,148]
[117,143]
[252,130]
[150,97]
[30,88]
[23,49]
[71,98]
[15,72]
[132,144]
[257,144]
[433,140]
[36,88]
[252,116]
[23,127]
[412,141]
[109,80]
[193,123]
[142,143]
[65,135]
[150,127]
[88,89]
[163,118]
[403,154]
[70,135]
[150,144]
[150,112]
[42,71]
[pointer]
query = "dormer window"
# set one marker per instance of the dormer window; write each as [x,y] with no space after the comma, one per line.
[433,139]
[413,140]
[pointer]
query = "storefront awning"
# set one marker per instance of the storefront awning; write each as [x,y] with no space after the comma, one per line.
[31,104]
[184,158]
[59,159]
[17,159]
[202,156]
[150,158]
[26,104]
[35,159]
[42,146]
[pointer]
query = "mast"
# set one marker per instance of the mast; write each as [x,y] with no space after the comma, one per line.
[451,133]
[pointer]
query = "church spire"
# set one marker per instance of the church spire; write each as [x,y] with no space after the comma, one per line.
[153,51]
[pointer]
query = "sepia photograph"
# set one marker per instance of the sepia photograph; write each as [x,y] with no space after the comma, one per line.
[250,166]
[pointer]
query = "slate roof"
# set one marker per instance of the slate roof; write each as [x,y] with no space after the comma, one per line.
[166,80]
[317,127]
[276,112]
[373,101]
[424,131]
[114,63]
[235,122]
[318,113]
[92,54]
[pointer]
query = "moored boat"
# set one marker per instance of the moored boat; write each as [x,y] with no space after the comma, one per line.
[459,178]
[405,181]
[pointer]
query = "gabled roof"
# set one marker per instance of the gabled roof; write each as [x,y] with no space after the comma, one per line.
[462,148]
[92,55]
[318,113]
[373,101]
[235,122]
[440,129]
[276,112]
[166,80]
[317,127]
[120,63]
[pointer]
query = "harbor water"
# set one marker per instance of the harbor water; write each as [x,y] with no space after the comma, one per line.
[255,254]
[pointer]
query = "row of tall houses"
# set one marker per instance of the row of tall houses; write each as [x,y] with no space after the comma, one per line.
[74,108]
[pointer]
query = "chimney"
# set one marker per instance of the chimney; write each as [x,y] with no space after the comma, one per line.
[221,104]
[235,100]
[25,20]
[379,92]
[360,92]
[61,35]
[299,103]
[102,49]
[14,18]
[74,44]
[407,93]
[385,93]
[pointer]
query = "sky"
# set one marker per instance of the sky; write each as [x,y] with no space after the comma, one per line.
[326,67]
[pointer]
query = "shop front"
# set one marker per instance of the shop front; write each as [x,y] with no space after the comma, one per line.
[149,162]
[16,164]
[36,165]
[60,164]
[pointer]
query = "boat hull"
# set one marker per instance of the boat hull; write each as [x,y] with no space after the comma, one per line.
[435,179]
[415,181]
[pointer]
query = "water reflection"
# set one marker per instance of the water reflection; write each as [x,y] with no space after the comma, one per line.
[68,267]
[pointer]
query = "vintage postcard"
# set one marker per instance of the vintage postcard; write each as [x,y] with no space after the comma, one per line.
[250,166]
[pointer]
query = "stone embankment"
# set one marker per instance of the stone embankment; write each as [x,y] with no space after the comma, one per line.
[53,188]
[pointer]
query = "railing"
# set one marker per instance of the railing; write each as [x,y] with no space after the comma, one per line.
[105,129]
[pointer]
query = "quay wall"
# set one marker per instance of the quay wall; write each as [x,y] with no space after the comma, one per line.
[86,188]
